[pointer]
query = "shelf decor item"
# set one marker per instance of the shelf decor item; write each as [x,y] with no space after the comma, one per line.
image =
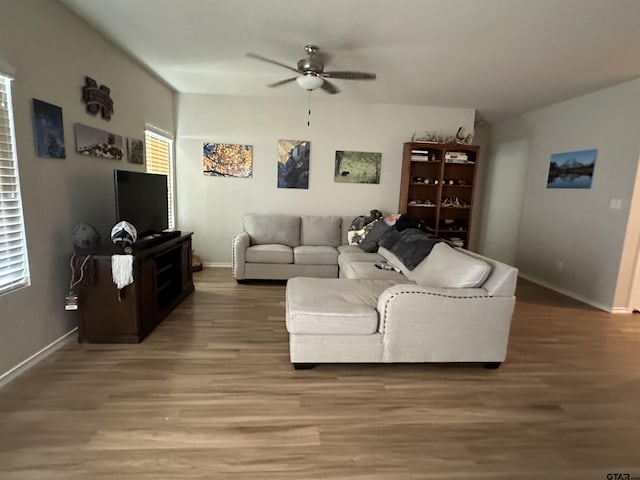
[48,129]
[357,167]
[293,163]
[572,169]
[437,137]
[227,160]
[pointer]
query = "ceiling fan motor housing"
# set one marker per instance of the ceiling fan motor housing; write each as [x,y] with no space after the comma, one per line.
[311,64]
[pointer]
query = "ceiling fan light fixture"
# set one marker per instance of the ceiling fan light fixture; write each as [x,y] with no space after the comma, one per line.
[310,81]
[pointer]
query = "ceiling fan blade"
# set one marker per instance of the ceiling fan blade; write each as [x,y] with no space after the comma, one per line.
[282,82]
[350,75]
[268,60]
[329,87]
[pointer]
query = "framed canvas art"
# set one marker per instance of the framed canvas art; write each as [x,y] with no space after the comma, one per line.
[293,163]
[98,143]
[357,167]
[135,151]
[227,160]
[48,130]
[572,169]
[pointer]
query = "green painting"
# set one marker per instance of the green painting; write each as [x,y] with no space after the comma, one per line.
[357,167]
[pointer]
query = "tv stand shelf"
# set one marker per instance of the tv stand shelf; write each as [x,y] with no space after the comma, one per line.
[162,279]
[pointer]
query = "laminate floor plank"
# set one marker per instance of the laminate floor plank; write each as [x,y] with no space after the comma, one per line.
[211,394]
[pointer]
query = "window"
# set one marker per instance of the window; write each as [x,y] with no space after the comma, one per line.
[160,160]
[14,266]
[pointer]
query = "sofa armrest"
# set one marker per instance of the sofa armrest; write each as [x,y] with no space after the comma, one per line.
[443,324]
[239,247]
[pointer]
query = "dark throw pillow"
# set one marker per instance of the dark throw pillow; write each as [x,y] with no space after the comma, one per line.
[370,242]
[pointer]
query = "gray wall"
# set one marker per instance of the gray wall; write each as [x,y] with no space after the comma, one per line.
[569,239]
[212,207]
[51,51]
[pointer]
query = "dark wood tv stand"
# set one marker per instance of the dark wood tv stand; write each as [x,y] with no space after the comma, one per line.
[162,279]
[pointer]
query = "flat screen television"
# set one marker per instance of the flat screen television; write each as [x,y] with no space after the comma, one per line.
[142,200]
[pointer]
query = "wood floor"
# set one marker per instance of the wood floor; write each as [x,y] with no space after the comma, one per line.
[211,395]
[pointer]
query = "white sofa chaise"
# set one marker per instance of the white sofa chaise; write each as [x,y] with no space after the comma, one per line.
[350,320]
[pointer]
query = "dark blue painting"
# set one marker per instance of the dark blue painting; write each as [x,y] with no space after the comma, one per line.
[48,130]
[293,163]
[572,169]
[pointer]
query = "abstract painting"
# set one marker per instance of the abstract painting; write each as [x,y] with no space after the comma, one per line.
[293,163]
[98,143]
[48,129]
[357,167]
[227,160]
[572,169]
[135,151]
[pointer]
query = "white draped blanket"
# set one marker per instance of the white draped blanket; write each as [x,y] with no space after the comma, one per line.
[122,270]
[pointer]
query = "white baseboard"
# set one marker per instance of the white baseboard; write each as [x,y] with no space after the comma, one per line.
[568,293]
[35,358]
[621,310]
[217,265]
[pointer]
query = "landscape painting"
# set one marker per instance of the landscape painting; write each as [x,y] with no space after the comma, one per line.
[227,160]
[293,163]
[572,169]
[135,151]
[48,130]
[357,167]
[98,143]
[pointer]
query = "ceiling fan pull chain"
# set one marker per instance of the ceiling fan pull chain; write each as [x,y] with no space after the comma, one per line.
[309,108]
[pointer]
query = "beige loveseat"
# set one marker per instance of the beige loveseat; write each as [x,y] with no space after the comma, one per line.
[279,247]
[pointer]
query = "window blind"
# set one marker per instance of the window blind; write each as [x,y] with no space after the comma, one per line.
[159,159]
[14,267]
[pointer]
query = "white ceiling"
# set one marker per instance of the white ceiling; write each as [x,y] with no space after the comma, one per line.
[502,57]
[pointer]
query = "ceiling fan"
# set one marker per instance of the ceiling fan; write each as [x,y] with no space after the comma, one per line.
[310,72]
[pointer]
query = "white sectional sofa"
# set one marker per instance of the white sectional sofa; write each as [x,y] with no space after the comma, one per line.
[454,306]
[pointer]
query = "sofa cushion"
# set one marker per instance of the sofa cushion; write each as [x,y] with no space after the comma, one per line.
[447,268]
[322,306]
[272,229]
[369,271]
[348,257]
[317,230]
[269,254]
[350,249]
[315,255]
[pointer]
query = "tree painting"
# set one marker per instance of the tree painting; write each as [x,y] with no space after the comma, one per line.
[293,163]
[227,160]
[357,167]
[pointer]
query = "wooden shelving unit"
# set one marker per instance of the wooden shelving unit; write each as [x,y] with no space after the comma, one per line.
[437,185]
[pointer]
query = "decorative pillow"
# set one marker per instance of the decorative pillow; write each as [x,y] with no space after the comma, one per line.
[321,231]
[356,236]
[266,229]
[413,246]
[448,268]
[370,242]
[391,219]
